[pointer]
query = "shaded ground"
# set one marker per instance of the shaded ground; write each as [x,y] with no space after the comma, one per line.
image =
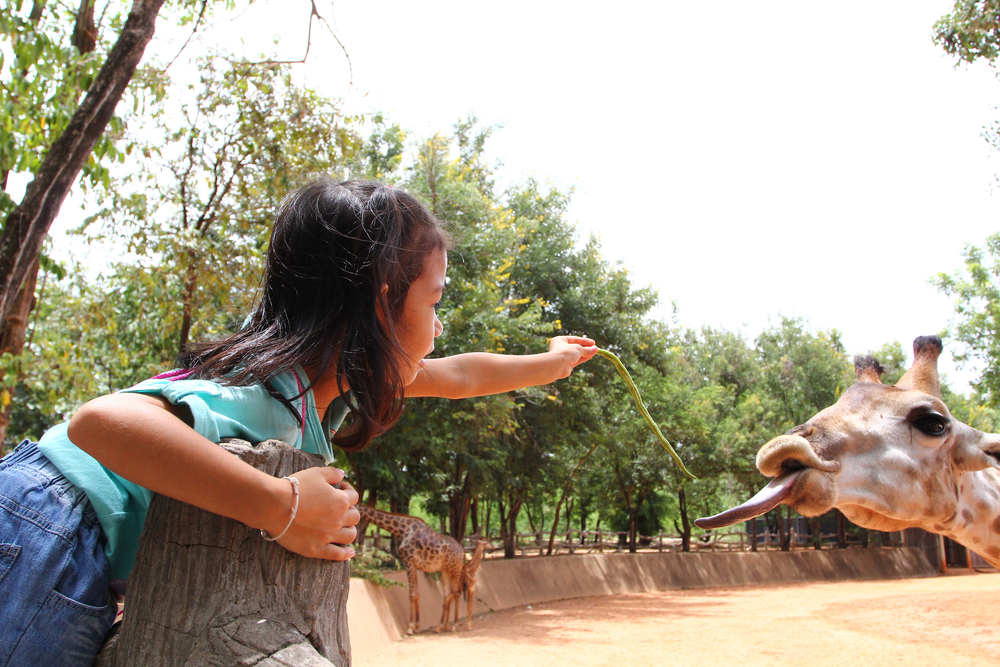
[949,620]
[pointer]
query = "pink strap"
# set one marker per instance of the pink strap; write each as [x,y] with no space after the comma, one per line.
[174,375]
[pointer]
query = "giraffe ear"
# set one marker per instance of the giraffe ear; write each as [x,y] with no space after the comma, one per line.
[923,374]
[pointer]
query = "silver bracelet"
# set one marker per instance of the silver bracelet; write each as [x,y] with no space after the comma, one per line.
[295,509]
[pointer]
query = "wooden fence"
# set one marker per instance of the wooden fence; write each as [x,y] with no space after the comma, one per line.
[587,542]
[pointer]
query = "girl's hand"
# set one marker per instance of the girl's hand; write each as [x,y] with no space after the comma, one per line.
[573,351]
[325,522]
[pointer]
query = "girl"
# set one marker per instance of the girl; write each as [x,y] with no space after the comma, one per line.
[346,315]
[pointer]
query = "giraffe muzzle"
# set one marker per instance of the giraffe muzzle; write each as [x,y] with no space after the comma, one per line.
[786,458]
[788,453]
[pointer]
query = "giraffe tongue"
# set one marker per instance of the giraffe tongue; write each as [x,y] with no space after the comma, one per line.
[766,500]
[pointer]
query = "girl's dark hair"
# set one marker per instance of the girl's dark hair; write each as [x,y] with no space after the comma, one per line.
[341,260]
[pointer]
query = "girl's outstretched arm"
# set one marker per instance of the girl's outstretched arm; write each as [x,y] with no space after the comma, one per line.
[142,439]
[482,374]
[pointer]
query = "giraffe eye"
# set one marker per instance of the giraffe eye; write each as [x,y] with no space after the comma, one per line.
[930,423]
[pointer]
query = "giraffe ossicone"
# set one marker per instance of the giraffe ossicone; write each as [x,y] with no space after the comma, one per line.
[889,457]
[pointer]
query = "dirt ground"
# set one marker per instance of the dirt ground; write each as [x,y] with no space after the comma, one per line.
[951,620]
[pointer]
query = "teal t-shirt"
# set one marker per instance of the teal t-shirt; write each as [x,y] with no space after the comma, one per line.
[218,411]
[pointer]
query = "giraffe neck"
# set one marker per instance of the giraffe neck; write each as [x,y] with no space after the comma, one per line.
[477,556]
[396,524]
[976,522]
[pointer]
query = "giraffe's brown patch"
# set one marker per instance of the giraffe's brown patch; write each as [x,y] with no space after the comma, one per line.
[993,493]
[982,505]
[938,528]
[993,552]
[967,515]
[977,540]
[995,526]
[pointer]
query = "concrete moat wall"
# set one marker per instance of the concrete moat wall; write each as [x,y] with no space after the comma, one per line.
[378,616]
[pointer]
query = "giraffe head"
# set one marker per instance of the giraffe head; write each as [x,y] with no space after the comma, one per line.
[889,457]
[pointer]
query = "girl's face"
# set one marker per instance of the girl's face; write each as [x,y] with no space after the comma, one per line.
[420,323]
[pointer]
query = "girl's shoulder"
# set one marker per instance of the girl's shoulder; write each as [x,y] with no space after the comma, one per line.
[178,383]
[251,412]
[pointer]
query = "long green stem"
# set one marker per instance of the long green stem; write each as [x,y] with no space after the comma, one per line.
[620,367]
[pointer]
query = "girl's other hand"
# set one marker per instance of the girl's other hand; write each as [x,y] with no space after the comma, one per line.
[325,523]
[574,350]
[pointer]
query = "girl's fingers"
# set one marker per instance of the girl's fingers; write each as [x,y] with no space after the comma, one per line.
[580,340]
[335,552]
[352,495]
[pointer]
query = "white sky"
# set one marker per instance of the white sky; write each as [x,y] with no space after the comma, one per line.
[746,159]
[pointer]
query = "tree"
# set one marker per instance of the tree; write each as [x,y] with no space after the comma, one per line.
[971,31]
[27,224]
[976,297]
[49,131]
[516,277]
[192,220]
[46,130]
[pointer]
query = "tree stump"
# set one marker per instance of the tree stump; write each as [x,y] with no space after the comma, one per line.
[210,591]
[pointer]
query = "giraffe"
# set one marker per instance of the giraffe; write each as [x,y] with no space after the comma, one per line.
[470,571]
[421,548]
[889,458]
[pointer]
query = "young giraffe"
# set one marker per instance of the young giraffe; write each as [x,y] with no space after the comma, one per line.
[889,457]
[470,573]
[421,548]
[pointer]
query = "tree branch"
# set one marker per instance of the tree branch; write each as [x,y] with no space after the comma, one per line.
[26,227]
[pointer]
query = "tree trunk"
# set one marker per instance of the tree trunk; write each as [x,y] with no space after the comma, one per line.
[508,528]
[458,507]
[187,303]
[841,530]
[555,524]
[12,338]
[26,227]
[474,515]
[685,522]
[207,590]
[362,526]
[632,528]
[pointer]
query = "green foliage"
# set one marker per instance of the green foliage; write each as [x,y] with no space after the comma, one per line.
[971,31]
[803,372]
[976,298]
[368,566]
[191,221]
[43,78]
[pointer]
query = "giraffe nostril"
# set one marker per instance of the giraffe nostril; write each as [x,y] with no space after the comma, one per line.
[791,465]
